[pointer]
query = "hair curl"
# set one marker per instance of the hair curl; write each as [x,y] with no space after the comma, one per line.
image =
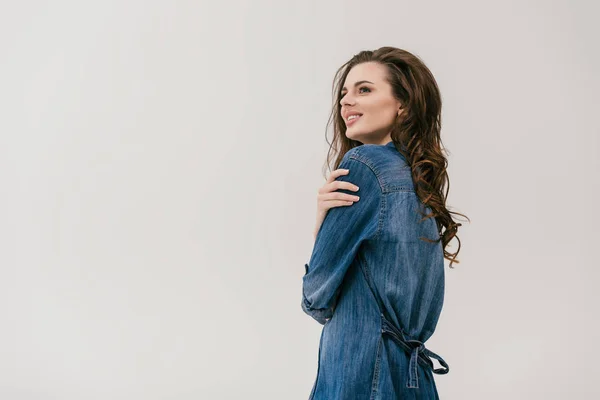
[416,132]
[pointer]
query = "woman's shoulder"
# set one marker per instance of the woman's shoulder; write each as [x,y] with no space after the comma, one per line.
[386,163]
[376,152]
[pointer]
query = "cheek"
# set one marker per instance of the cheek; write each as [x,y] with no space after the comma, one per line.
[381,109]
[381,115]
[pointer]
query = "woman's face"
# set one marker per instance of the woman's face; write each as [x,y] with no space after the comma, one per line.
[366,92]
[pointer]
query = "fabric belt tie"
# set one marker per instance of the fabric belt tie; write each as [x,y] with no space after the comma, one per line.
[418,353]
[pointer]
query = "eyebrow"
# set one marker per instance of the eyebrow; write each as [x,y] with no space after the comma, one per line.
[358,83]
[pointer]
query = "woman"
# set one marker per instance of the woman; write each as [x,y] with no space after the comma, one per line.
[375,278]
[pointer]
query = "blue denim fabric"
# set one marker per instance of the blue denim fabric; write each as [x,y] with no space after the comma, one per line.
[376,288]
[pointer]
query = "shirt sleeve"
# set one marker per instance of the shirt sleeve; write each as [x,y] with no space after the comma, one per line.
[338,240]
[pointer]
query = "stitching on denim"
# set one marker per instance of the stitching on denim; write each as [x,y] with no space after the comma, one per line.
[375,382]
[413,366]
[370,165]
[381,198]
[393,189]
[385,188]
[382,212]
[312,392]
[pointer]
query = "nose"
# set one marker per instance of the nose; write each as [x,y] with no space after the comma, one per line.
[346,100]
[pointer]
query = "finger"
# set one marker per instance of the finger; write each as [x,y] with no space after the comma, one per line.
[335,185]
[336,173]
[340,196]
[344,185]
[338,203]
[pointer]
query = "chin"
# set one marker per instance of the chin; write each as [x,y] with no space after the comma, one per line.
[356,136]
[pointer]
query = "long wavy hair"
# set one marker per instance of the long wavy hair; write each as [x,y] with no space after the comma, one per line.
[416,133]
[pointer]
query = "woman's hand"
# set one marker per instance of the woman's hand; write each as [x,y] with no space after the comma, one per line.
[328,197]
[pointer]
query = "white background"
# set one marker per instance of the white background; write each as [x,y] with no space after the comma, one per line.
[159,164]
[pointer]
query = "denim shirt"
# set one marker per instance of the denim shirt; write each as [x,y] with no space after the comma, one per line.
[376,288]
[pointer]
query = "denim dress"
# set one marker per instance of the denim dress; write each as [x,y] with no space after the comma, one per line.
[376,288]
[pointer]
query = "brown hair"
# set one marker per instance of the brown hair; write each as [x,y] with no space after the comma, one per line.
[416,132]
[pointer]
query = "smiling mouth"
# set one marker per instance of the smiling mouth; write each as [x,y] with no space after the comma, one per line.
[353,120]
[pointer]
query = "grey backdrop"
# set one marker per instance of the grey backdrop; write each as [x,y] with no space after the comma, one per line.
[159,169]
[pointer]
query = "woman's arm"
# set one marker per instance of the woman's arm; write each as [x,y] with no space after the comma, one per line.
[338,240]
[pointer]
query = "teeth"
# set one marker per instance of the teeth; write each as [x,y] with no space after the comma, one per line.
[353,117]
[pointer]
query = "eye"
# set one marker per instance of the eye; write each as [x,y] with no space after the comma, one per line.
[359,89]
